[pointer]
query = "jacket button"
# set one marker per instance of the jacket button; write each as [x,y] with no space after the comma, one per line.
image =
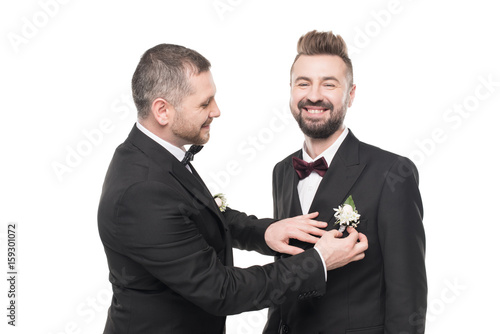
[284,329]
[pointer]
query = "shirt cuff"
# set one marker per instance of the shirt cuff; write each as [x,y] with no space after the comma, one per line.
[324,264]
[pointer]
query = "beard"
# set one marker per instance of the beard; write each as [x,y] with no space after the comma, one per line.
[190,132]
[316,128]
[195,139]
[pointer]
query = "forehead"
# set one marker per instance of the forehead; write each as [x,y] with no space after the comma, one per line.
[318,66]
[202,84]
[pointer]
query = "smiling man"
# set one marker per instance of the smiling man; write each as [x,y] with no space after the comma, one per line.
[385,293]
[168,245]
[315,77]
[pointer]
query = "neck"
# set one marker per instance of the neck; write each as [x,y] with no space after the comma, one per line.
[161,131]
[315,146]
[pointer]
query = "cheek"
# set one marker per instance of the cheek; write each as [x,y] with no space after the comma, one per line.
[205,117]
[337,99]
[296,97]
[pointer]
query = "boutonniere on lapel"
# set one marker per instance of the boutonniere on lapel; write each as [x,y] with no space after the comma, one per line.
[347,215]
[221,201]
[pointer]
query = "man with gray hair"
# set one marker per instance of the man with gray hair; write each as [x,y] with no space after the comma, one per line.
[168,244]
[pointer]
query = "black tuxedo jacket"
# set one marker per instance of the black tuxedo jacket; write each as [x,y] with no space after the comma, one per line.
[386,292]
[169,249]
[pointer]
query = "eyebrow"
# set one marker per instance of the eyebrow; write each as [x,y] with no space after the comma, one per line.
[330,78]
[322,79]
[302,78]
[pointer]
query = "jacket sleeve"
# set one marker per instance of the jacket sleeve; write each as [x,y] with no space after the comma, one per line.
[402,241]
[247,232]
[274,312]
[157,228]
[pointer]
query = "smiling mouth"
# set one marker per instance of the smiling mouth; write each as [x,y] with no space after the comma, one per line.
[315,110]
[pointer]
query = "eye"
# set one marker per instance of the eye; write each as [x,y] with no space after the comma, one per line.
[206,104]
[303,84]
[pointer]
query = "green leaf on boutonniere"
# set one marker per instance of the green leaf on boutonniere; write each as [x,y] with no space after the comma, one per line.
[350,201]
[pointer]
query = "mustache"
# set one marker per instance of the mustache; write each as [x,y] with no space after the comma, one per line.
[322,104]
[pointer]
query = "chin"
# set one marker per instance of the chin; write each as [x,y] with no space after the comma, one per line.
[202,140]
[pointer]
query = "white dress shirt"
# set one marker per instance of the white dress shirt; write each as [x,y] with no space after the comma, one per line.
[308,186]
[177,152]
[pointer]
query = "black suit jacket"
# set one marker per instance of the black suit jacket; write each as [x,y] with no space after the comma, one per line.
[386,292]
[169,249]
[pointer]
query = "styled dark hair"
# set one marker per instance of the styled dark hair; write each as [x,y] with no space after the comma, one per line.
[324,43]
[163,72]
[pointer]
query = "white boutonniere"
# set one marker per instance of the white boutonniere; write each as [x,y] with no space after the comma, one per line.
[347,215]
[221,201]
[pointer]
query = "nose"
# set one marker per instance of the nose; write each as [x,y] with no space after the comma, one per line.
[314,94]
[214,112]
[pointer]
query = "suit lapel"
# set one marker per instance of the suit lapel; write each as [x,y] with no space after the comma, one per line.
[290,201]
[223,226]
[195,185]
[191,182]
[343,172]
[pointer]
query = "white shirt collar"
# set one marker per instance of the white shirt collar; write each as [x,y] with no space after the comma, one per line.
[330,152]
[174,150]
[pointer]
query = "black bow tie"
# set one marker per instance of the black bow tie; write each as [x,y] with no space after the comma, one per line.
[190,154]
[304,169]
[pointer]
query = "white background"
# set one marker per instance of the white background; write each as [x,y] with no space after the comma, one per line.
[66,70]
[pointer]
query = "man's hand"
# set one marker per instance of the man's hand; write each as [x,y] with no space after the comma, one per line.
[302,228]
[338,252]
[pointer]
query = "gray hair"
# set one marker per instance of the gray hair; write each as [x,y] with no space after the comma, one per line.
[163,72]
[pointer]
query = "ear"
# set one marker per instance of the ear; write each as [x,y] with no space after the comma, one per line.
[162,111]
[352,94]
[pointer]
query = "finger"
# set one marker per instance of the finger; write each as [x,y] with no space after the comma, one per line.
[353,234]
[336,233]
[362,237]
[358,257]
[306,237]
[287,249]
[363,241]
[314,231]
[310,215]
[360,248]
[351,229]
[316,223]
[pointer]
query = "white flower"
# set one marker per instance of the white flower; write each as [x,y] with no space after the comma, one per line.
[221,201]
[348,209]
[347,215]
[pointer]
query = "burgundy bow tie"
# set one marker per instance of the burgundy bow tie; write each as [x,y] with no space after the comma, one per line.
[303,168]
